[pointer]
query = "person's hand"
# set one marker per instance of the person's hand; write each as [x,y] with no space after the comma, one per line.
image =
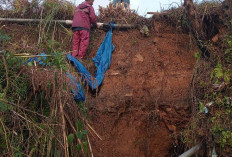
[99,25]
[106,26]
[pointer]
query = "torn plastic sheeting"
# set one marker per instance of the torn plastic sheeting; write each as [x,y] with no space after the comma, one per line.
[77,89]
[37,59]
[102,61]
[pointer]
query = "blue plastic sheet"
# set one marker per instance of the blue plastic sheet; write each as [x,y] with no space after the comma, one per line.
[102,61]
[77,89]
[38,59]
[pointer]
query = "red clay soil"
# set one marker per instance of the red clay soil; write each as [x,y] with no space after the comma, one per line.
[143,103]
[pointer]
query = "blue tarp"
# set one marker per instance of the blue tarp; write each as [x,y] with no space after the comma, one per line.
[102,61]
[38,59]
[77,89]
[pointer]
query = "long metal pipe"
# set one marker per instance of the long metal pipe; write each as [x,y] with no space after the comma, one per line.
[67,22]
[157,13]
[191,151]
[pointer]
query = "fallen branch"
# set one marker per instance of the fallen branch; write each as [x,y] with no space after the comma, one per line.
[93,130]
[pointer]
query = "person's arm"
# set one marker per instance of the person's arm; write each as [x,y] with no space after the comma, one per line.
[92,16]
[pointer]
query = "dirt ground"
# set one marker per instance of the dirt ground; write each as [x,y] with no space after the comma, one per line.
[144,103]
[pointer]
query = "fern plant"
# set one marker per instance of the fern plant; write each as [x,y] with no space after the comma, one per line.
[218,74]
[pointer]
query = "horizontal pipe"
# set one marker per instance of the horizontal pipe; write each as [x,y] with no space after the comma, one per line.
[67,22]
[191,151]
[157,13]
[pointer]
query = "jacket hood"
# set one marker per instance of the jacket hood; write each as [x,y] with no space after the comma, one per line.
[84,5]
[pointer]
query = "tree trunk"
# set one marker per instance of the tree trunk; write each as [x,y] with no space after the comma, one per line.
[196,27]
[192,15]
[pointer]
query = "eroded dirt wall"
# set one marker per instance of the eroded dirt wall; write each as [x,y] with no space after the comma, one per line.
[143,103]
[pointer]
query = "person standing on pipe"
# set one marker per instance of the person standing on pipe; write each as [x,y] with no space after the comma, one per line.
[84,16]
[126,2]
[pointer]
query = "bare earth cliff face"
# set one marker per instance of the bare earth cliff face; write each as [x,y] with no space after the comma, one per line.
[143,103]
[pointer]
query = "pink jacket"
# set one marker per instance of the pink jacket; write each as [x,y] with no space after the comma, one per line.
[84,16]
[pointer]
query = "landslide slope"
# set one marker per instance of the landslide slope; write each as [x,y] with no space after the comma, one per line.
[144,101]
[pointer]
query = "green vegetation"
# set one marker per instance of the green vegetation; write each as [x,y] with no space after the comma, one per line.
[27,111]
[213,91]
[38,115]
